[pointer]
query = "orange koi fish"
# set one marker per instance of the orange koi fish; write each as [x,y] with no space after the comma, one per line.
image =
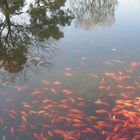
[66,91]
[101,111]
[57,83]
[68,74]
[12,131]
[53,90]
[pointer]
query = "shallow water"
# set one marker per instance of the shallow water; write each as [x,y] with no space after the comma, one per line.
[70,70]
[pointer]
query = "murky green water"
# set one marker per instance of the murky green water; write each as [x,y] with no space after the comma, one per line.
[69,70]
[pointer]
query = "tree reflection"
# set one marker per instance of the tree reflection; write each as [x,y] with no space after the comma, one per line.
[57,17]
[94,12]
[28,30]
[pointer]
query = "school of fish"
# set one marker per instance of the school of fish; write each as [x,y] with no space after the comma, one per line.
[114,115]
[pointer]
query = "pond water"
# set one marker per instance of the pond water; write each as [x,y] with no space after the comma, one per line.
[69,70]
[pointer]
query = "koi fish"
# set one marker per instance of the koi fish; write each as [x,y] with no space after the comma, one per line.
[66,91]
[57,83]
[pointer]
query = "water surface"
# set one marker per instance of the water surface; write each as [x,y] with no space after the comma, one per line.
[69,70]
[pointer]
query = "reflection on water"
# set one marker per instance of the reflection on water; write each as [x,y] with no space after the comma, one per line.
[32,43]
[74,101]
[94,12]
[29,31]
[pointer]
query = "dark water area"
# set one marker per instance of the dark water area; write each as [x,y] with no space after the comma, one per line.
[69,70]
